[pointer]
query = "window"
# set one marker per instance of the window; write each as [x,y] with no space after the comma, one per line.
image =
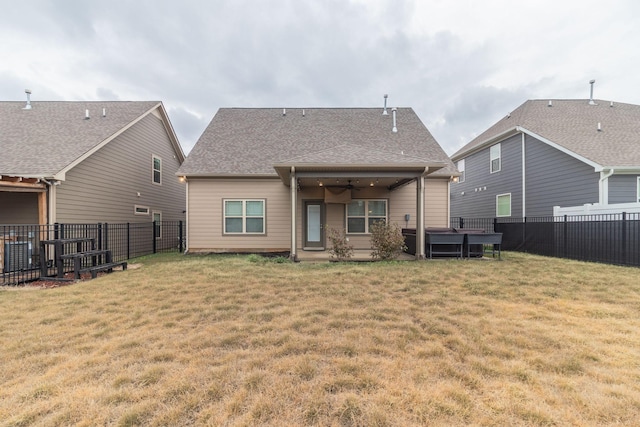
[157,170]
[244,216]
[496,164]
[362,213]
[638,189]
[157,221]
[503,205]
[140,210]
[461,169]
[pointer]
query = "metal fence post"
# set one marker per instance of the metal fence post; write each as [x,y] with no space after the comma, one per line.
[128,241]
[180,236]
[154,237]
[461,222]
[625,252]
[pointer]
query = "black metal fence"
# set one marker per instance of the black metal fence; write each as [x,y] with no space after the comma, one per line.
[609,239]
[21,256]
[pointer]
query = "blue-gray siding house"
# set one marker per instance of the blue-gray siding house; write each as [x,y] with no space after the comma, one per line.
[550,153]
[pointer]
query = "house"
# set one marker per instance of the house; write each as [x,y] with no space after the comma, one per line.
[551,153]
[88,162]
[273,179]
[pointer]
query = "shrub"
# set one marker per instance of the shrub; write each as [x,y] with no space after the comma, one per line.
[387,240]
[340,247]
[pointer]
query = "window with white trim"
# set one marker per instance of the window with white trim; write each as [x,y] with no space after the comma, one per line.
[361,214]
[638,189]
[140,210]
[244,216]
[156,165]
[461,170]
[495,155]
[503,204]
[157,222]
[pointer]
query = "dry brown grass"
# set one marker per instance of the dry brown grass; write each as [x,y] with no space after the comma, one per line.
[222,340]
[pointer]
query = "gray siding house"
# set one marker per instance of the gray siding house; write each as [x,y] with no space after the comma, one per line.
[546,153]
[88,162]
[273,179]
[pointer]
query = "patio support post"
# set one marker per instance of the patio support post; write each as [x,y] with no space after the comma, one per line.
[294,189]
[420,251]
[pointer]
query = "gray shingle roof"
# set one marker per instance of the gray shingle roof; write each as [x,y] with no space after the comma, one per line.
[42,141]
[573,124]
[250,141]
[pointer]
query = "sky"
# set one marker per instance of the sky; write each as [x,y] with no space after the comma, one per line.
[460,64]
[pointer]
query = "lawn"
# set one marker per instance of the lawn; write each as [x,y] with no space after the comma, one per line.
[239,341]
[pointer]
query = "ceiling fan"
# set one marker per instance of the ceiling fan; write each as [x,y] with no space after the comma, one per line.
[348,186]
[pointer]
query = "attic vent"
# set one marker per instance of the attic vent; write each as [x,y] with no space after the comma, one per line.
[384,112]
[28,106]
[394,129]
[591,101]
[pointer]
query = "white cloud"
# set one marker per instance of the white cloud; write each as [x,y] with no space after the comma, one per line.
[461,65]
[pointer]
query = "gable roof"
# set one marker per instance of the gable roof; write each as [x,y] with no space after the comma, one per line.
[53,136]
[572,125]
[252,141]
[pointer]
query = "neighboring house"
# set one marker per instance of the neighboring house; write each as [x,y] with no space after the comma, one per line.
[88,162]
[271,180]
[548,153]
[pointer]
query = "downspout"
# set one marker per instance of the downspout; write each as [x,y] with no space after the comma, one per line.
[186,217]
[524,179]
[51,200]
[294,240]
[604,187]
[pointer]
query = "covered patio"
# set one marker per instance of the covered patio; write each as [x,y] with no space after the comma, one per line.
[321,190]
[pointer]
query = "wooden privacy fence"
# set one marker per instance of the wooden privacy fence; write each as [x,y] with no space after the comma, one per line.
[22,260]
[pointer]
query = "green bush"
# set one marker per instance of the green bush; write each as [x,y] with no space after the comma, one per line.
[340,247]
[387,240]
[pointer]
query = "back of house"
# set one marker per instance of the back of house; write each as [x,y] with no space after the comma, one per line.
[275,180]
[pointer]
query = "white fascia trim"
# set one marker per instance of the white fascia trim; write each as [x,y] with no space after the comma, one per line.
[102,144]
[597,167]
[494,139]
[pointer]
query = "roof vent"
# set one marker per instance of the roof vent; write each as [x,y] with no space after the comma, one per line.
[303,112]
[591,101]
[384,112]
[611,104]
[550,104]
[28,106]
[104,112]
[599,127]
[284,111]
[86,114]
[394,129]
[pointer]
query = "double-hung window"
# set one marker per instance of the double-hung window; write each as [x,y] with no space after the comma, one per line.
[244,216]
[503,204]
[495,154]
[156,167]
[461,170]
[361,214]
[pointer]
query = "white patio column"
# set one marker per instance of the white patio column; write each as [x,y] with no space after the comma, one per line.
[294,204]
[420,253]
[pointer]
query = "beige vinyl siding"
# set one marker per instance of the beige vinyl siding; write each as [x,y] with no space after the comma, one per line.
[105,186]
[205,215]
[436,203]
[18,207]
